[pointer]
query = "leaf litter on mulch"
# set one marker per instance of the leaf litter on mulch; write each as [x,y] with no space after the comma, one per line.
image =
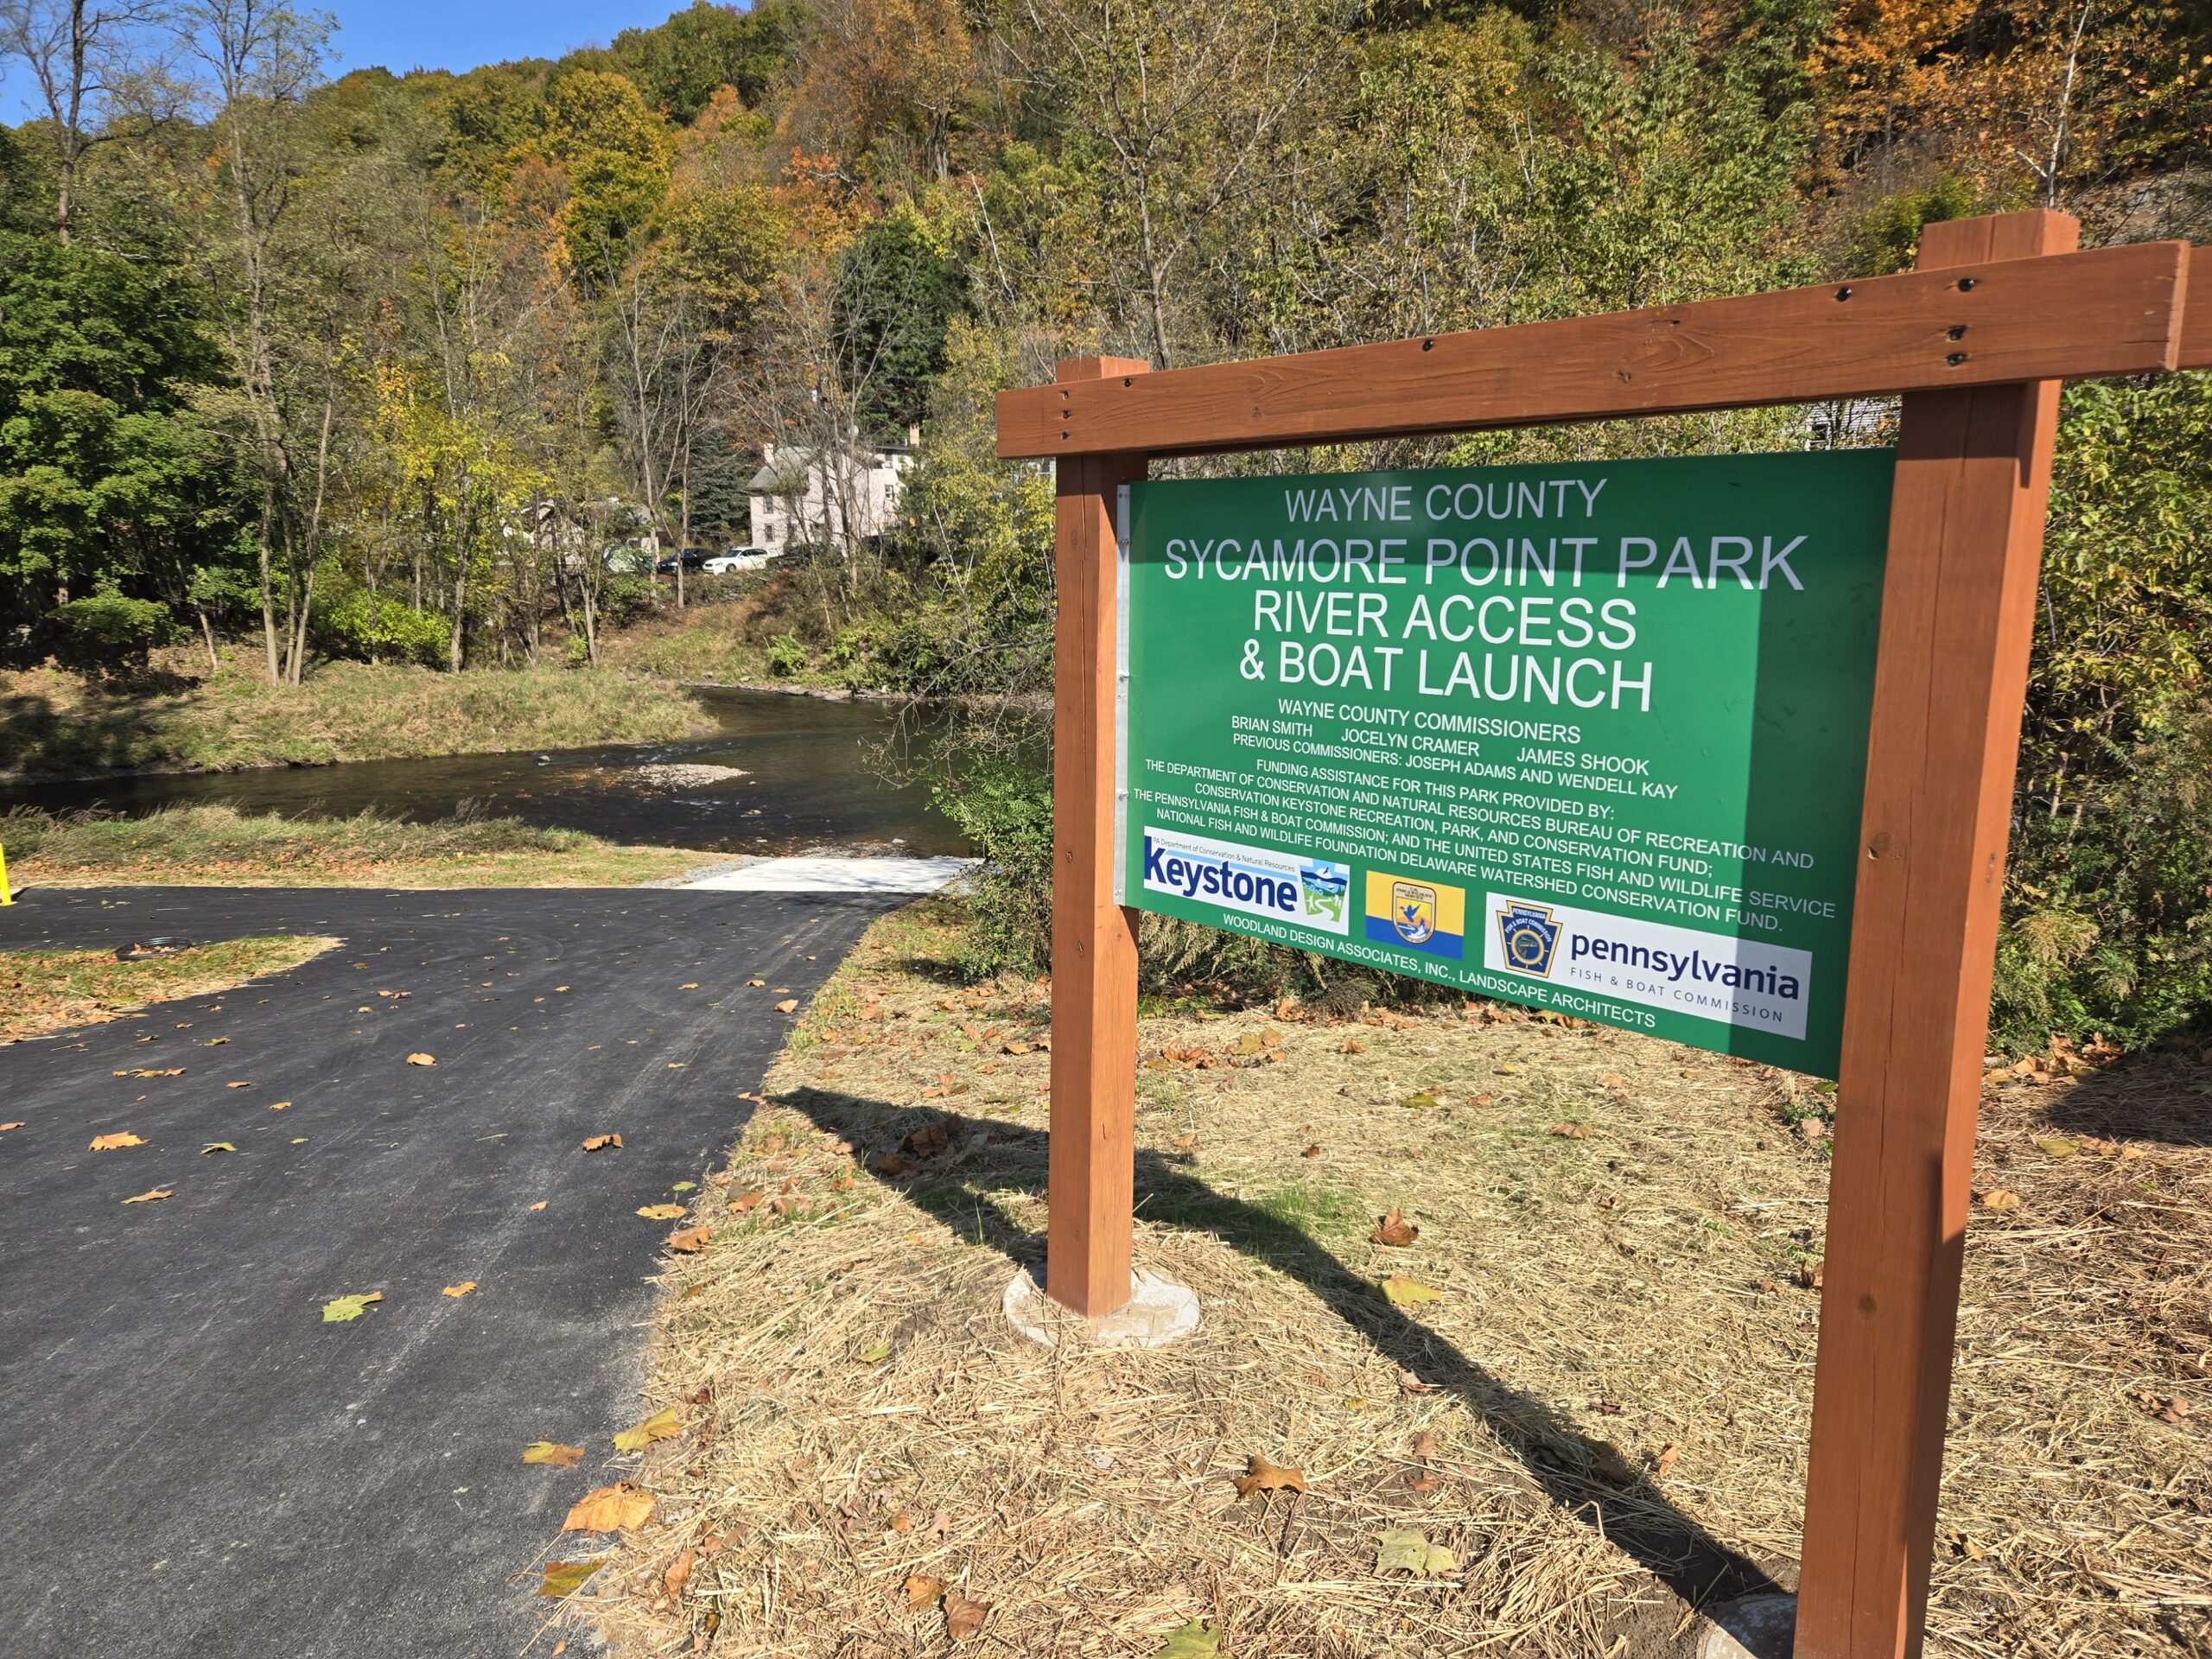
[1620,1345]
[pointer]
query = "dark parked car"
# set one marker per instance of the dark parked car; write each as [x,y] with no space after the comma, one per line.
[694,558]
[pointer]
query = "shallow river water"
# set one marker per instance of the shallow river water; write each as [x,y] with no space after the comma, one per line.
[808,780]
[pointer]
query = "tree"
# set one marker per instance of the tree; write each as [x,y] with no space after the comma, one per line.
[260,60]
[898,289]
[109,475]
[1145,91]
[682,63]
[94,76]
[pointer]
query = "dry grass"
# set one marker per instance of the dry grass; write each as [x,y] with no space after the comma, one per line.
[1616,1375]
[727,636]
[53,723]
[220,846]
[43,991]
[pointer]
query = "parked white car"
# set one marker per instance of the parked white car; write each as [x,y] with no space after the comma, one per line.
[739,558]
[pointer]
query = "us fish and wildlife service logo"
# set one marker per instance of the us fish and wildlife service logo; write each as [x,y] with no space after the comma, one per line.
[1404,913]
[1529,936]
[1413,912]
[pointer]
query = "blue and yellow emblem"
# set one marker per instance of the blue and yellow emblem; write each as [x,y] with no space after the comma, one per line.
[1411,915]
[1529,937]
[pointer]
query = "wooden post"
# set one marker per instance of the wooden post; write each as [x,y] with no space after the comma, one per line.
[1958,601]
[1090,1183]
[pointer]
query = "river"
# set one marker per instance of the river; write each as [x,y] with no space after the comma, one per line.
[809,780]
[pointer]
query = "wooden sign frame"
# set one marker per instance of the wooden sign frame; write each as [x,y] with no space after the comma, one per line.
[1997,312]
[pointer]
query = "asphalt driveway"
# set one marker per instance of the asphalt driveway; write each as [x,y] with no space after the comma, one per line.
[194,1462]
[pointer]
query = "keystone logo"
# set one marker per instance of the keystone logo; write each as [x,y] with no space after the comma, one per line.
[1305,893]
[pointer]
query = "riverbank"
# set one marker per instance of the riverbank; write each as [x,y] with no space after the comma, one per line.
[1558,1411]
[746,641]
[220,846]
[182,718]
[42,991]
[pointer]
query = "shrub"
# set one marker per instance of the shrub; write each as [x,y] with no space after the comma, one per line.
[379,627]
[787,655]
[2109,931]
[106,635]
[626,598]
[1006,809]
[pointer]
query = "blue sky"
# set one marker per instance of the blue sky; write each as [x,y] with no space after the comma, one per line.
[403,34]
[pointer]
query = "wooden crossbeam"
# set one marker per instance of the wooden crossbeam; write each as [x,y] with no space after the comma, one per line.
[2196,351]
[2117,310]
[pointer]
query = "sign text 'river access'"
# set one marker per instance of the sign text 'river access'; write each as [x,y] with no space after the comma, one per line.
[1591,737]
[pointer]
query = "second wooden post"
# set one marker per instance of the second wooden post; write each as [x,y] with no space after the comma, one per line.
[1958,606]
[1091,1186]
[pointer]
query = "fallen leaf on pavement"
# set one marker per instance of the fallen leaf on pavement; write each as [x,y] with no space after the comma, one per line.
[1403,1549]
[540,1204]
[339,1309]
[921,1591]
[238,1086]
[553,1453]
[599,1142]
[144,1072]
[962,1617]
[422,1059]
[787,1004]
[692,986]
[690,1241]
[566,1578]
[217,1146]
[460,1289]
[662,1212]
[149,1197]
[5,1128]
[1196,1640]
[619,1508]
[756,981]
[120,1138]
[278,1105]
[663,1425]
[1260,1475]
[1394,1230]
[1409,1292]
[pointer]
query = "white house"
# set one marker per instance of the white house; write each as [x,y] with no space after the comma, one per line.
[801,495]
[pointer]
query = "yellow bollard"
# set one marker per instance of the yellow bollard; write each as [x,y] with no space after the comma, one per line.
[6,897]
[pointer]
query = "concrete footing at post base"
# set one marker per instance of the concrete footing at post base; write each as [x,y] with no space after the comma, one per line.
[1158,1312]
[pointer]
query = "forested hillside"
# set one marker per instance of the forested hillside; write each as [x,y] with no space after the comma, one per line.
[375,367]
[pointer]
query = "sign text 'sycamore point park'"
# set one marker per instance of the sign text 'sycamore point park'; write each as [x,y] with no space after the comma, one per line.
[1591,737]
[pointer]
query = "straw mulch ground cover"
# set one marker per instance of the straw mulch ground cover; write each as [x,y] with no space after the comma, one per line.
[1569,1412]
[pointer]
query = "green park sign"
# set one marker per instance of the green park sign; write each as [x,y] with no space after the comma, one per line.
[1590,737]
